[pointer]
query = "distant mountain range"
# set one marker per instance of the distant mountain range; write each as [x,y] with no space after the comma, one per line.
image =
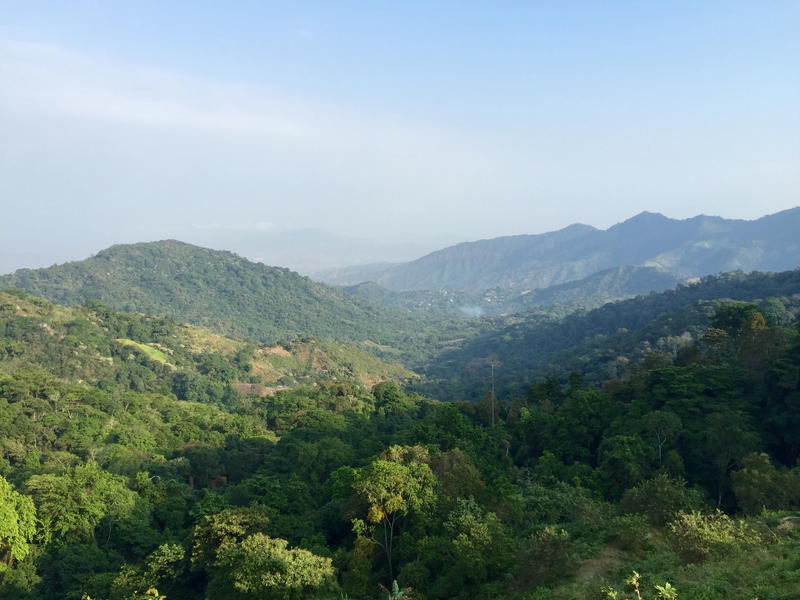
[685,248]
[306,250]
[595,290]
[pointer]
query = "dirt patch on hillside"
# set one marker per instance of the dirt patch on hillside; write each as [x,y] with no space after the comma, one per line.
[250,389]
[279,350]
[593,568]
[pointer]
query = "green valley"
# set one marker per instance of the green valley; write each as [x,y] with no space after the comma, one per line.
[243,432]
[399,300]
[139,454]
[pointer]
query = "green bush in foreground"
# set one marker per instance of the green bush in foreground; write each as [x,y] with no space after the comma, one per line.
[696,536]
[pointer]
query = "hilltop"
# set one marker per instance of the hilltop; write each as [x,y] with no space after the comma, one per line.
[217,290]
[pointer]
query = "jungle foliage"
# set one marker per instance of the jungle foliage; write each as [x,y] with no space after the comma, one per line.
[128,474]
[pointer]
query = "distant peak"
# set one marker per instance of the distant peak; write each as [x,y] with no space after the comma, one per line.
[161,250]
[642,219]
[579,227]
[155,243]
[646,215]
[789,212]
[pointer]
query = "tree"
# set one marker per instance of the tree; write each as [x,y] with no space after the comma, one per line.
[232,546]
[261,566]
[663,426]
[71,505]
[732,317]
[396,593]
[728,438]
[230,526]
[17,524]
[387,393]
[759,485]
[479,542]
[393,485]
[660,498]
[623,461]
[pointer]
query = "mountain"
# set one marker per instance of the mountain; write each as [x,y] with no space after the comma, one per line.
[602,343]
[609,285]
[595,290]
[688,248]
[217,290]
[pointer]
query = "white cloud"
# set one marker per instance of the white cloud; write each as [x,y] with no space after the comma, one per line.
[51,79]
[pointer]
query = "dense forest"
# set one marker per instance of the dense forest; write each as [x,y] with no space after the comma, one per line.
[142,458]
[602,343]
[229,294]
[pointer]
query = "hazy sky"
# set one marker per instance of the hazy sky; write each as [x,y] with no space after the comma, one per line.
[430,122]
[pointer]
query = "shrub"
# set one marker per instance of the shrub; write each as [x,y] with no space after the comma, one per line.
[758,485]
[550,556]
[630,532]
[695,535]
[662,592]
[661,498]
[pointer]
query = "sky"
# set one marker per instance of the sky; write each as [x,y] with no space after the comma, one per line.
[386,128]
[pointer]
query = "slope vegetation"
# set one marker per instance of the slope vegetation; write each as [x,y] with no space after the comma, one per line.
[216,290]
[97,346]
[604,342]
[109,487]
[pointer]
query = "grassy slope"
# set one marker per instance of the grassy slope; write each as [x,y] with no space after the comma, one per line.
[27,323]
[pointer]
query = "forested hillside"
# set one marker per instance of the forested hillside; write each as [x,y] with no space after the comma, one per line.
[604,342]
[116,483]
[107,349]
[693,247]
[220,291]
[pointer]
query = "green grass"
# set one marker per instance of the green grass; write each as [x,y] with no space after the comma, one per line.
[151,353]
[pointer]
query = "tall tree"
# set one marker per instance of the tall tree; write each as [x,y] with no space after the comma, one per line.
[392,486]
[17,524]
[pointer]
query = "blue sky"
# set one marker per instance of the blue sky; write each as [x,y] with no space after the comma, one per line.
[425,123]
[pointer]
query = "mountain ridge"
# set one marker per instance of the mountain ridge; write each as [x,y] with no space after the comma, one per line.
[692,247]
